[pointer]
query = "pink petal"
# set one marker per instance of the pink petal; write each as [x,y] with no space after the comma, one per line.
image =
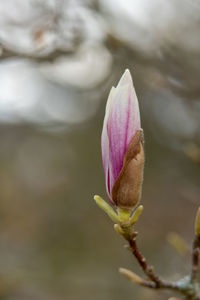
[105,144]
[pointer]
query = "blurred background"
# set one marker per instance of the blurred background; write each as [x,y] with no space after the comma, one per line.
[58,61]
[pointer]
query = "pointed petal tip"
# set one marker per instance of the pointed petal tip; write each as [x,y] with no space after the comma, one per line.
[125,79]
[127,71]
[127,75]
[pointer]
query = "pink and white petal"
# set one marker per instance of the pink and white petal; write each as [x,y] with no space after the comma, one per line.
[134,121]
[110,100]
[126,79]
[109,183]
[117,130]
[104,135]
[105,147]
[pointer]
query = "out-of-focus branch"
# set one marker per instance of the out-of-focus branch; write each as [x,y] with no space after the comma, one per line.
[11,53]
[196,251]
[195,259]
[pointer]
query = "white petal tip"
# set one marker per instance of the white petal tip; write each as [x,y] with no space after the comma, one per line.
[125,79]
[127,71]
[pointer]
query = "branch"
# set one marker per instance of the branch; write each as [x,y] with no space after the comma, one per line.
[149,270]
[187,286]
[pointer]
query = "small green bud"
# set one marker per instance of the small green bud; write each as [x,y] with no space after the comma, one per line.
[136,214]
[107,208]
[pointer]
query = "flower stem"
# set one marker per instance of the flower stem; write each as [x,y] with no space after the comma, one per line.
[149,270]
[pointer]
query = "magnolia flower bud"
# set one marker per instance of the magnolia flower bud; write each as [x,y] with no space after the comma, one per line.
[122,145]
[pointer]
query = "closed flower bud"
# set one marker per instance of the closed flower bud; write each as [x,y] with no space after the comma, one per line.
[122,145]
